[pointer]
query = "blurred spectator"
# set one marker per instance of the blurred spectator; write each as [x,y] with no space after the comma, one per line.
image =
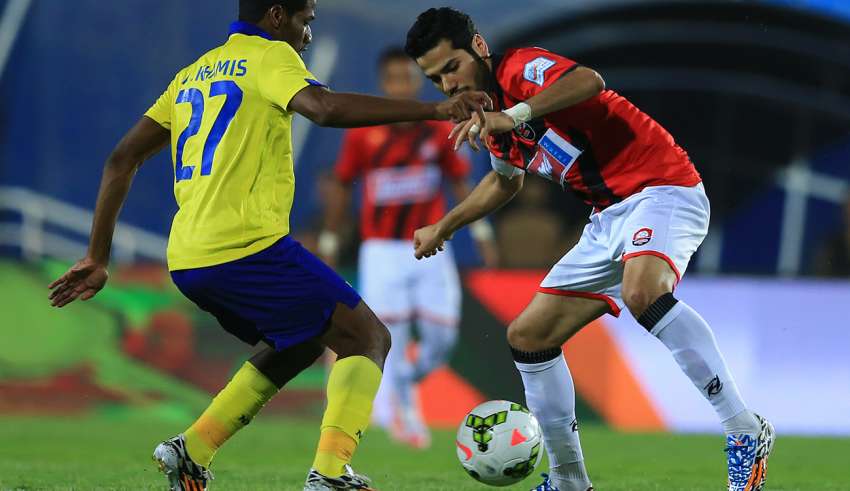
[328,190]
[530,234]
[833,258]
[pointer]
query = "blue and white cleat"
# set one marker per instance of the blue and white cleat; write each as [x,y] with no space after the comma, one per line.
[182,472]
[548,485]
[747,458]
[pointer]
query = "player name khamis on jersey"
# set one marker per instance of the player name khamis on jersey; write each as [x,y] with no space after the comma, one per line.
[223,68]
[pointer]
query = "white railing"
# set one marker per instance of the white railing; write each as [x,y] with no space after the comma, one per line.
[49,227]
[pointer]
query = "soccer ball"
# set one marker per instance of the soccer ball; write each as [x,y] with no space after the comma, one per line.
[499,443]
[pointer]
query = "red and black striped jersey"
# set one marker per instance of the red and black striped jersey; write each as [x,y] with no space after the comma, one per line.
[604,149]
[402,167]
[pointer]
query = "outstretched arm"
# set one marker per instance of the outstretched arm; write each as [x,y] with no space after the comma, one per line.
[480,230]
[493,192]
[345,110]
[573,88]
[88,275]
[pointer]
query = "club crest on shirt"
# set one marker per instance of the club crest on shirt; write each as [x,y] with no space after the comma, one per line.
[642,237]
[526,132]
[535,70]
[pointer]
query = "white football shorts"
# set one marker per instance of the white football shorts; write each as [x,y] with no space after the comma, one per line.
[669,222]
[398,288]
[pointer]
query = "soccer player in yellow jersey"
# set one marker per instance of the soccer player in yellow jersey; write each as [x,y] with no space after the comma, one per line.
[227,117]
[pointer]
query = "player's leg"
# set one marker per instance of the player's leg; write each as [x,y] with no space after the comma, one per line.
[437,300]
[387,292]
[677,222]
[253,385]
[535,338]
[361,343]
[648,292]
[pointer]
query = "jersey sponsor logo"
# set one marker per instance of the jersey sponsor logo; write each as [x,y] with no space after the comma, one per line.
[554,158]
[405,185]
[535,70]
[642,237]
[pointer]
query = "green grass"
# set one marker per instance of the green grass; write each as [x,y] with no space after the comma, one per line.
[114,453]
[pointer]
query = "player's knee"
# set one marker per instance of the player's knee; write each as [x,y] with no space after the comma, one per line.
[384,339]
[522,337]
[378,342]
[638,299]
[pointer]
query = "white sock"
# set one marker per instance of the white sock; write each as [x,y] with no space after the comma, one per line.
[742,423]
[550,395]
[435,346]
[691,341]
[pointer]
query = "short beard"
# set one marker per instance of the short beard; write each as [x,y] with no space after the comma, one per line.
[483,75]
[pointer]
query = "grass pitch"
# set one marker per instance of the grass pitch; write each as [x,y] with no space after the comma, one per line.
[272,454]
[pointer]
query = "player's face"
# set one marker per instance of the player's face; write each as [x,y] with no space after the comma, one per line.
[295,29]
[454,70]
[400,79]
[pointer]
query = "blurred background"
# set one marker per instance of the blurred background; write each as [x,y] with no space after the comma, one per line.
[758,93]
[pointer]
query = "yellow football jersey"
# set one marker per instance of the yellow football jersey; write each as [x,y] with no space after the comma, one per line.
[232,148]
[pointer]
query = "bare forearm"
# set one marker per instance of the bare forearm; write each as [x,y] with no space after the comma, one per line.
[338,200]
[343,110]
[492,193]
[114,187]
[574,88]
[144,139]
[352,110]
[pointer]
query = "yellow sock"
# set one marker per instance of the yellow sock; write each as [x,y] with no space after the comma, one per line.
[352,386]
[233,408]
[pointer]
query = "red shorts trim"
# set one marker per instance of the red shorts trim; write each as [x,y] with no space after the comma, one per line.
[656,254]
[615,309]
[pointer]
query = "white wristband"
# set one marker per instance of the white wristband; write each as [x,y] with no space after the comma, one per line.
[328,243]
[481,231]
[520,113]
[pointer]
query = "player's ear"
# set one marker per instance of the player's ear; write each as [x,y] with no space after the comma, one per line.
[277,15]
[479,45]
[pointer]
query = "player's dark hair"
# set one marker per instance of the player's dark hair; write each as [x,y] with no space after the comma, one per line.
[436,24]
[392,53]
[255,10]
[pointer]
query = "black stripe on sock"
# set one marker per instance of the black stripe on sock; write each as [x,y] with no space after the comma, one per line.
[656,311]
[535,356]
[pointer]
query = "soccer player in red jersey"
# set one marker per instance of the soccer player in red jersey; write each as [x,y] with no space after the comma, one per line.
[403,168]
[559,121]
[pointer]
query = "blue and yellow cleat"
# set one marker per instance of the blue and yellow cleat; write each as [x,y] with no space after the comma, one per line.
[747,458]
[182,472]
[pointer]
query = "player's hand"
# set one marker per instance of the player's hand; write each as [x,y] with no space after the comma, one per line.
[427,241]
[495,123]
[83,280]
[461,107]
